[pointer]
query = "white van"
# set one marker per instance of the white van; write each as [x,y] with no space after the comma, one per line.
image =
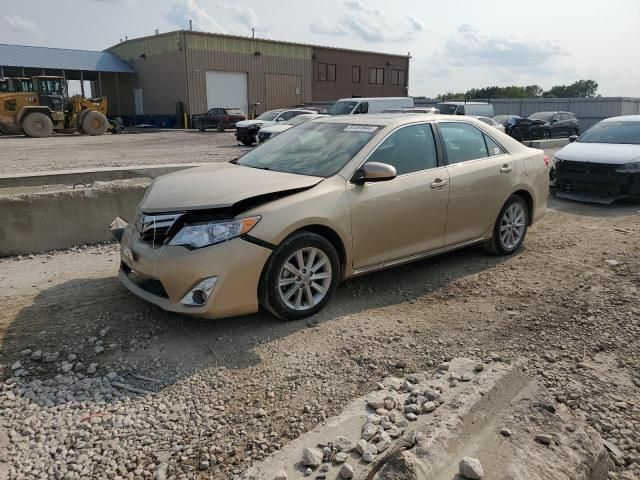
[353,106]
[480,109]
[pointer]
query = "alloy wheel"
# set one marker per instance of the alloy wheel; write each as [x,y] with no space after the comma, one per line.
[305,278]
[512,226]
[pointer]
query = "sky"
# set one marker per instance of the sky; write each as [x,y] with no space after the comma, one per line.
[455,45]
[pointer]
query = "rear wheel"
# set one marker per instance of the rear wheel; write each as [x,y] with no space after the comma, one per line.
[94,123]
[510,227]
[220,127]
[37,125]
[301,276]
[201,127]
[546,135]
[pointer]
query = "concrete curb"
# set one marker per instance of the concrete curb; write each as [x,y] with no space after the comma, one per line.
[88,176]
[53,219]
[542,144]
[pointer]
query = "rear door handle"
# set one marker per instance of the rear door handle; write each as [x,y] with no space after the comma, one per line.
[506,169]
[438,183]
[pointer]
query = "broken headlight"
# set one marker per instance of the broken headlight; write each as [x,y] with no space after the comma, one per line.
[629,168]
[205,234]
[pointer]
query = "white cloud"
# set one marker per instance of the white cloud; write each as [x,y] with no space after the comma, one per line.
[19,24]
[369,24]
[230,18]
[469,47]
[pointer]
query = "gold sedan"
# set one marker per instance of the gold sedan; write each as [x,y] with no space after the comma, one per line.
[324,201]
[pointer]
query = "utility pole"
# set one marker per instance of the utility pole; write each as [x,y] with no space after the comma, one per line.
[253,33]
[190,25]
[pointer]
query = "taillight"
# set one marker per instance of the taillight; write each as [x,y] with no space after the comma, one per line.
[225,118]
[547,161]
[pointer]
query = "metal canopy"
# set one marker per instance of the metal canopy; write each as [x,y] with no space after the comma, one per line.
[61,59]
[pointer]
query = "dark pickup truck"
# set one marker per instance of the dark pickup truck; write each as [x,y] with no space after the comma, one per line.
[219,118]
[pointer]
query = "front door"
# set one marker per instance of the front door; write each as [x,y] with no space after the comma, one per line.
[407,215]
[480,176]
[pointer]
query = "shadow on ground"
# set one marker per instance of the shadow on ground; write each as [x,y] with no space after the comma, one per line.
[143,339]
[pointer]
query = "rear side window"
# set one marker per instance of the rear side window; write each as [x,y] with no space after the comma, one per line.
[409,149]
[493,147]
[463,142]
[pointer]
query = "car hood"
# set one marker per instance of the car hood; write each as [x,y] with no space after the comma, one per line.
[276,128]
[612,153]
[260,123]
[219,185]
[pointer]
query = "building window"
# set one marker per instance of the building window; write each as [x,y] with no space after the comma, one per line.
[399,77]
[355,74]
[327,72]
[376,75]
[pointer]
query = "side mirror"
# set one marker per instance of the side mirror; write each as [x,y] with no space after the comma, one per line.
[374,172]
[573,138]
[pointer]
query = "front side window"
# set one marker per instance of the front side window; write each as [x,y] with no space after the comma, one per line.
[462,142]
[409,149]
[317,149]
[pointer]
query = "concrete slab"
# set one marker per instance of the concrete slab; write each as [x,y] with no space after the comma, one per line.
[90,175]
[545,144]
[471,407]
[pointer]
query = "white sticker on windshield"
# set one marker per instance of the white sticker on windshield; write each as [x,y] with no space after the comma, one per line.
[361,128]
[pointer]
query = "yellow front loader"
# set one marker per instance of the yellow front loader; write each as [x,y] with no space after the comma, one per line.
[45,109]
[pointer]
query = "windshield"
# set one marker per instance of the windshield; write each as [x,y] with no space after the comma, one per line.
[546,116]
[318,149]
[447,108]
[235,111]
[342,108]
[612,132]
[49,86]
[269,116]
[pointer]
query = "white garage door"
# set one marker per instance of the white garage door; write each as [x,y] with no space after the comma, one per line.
[227,89]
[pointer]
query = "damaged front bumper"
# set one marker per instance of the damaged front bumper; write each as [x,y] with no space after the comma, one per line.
[166,275]
[594,182]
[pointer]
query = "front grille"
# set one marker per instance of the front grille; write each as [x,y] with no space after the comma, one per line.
[148,284]
[155,229]
[587,167]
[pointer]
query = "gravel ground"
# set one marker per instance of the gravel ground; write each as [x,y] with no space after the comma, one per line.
[214,397]
[64,152]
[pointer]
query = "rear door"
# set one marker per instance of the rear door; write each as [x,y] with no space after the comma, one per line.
[481,174]
[405,216]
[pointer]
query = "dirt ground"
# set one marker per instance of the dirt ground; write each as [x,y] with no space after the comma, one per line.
[19,154]
[568,303]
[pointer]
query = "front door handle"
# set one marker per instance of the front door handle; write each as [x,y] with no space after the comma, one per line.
[438,183]
[506,169]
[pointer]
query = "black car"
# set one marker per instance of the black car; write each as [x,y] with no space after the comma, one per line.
[544,125]
[219,118]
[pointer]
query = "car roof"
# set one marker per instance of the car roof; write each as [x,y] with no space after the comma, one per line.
[384,119]
[369,99]
[464,103]
[624,118]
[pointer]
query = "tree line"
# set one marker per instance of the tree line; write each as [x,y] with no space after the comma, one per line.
[581,88]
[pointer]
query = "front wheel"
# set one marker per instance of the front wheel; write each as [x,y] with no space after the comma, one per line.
[546,135]
[301,276]
[248,143]
[94,123]
[510,227]
[37,125]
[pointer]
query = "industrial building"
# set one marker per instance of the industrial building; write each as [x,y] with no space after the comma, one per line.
[190,72]
[158,79]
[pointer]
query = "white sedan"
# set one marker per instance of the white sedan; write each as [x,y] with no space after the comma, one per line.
[266,133]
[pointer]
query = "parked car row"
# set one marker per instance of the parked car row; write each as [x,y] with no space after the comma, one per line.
[540,125]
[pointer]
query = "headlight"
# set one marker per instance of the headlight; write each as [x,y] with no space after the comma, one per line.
[204,234]
[629,168]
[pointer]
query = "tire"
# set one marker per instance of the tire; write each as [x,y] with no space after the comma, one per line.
[546,135]
[281,290]
[501,245]
[94,123]
[201,128]
[220,127]
[37,125]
